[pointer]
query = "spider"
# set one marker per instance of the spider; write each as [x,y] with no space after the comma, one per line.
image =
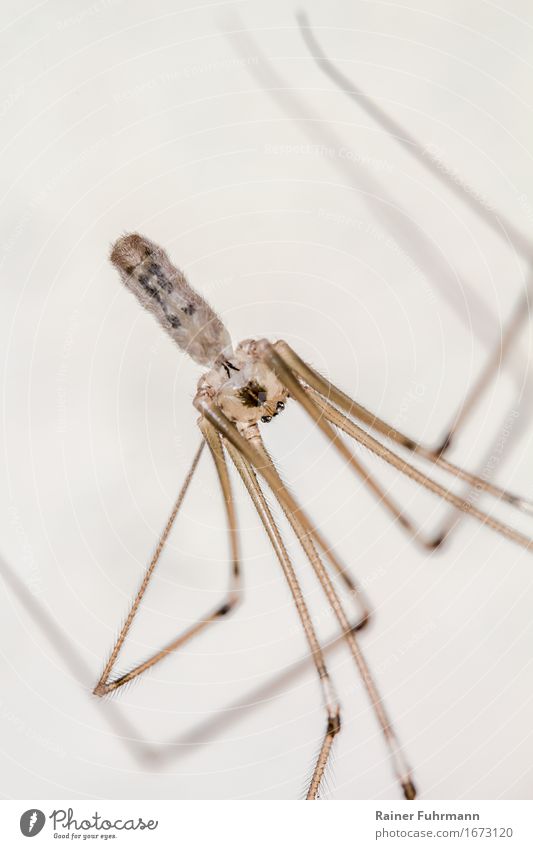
[247,386]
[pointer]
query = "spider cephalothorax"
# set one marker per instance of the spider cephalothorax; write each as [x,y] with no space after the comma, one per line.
[247,392]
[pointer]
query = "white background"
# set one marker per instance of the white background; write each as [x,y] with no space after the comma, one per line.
[141,116]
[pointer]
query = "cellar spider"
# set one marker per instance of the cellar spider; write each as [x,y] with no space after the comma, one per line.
[244,387]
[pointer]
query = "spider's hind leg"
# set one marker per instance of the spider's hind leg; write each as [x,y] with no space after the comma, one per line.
[329,698]
[308,534]
[324,415]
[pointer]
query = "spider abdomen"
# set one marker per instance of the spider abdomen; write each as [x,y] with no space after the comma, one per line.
[163,290]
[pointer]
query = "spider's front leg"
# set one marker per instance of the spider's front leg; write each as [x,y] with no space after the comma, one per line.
[329,698]
[106,683]
[253,451]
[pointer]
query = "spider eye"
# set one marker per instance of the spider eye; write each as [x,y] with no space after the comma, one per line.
[266,419]
[280,405]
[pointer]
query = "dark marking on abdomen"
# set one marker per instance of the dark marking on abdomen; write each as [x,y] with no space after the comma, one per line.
[154,293]
[173,320]
[162,279]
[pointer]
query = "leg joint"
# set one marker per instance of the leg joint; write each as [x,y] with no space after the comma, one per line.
[229,605]
[334,722]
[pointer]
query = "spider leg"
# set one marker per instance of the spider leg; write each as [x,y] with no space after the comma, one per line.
[336,418]
[331,703]
[305,530]
[500,225]
[327,390]
[509,337]
[321,386]
[105,685]
[390,505]
[284,372]
[344,576]
[311,124]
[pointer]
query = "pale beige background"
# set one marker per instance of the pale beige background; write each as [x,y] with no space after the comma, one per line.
[119,116]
